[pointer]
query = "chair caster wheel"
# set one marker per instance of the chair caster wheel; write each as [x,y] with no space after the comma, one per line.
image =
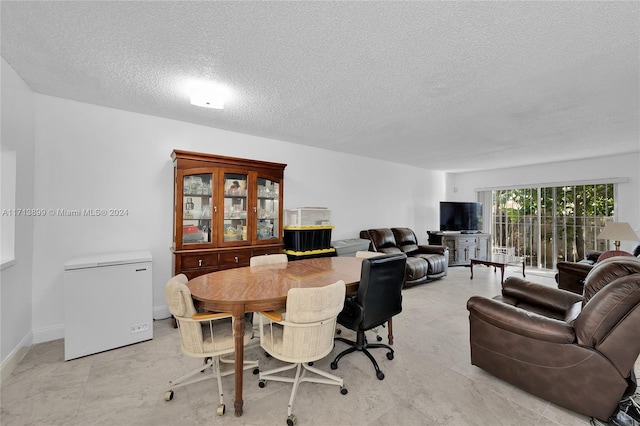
[379,338]
[291,420]
[256,371]
[206,364]
[334,366]
[380,375]
[221,409]
[310,363]
[389,356]
[344,391]
[338,331]
[262,383]
[168,395]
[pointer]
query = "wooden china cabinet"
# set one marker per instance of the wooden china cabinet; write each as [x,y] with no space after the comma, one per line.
[226,210]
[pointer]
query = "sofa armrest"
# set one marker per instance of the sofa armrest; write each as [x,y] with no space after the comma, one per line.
[520,321]
[571,276]
[592,255]
[574,268]
[535,294]
[432,249]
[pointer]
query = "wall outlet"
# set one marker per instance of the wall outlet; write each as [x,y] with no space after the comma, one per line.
[139,327]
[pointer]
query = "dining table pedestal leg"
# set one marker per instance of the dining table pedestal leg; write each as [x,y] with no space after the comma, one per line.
[238,340]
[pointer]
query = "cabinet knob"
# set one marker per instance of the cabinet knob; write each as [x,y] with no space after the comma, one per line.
[215,209]
[255,209]
[236,258]
[199,262]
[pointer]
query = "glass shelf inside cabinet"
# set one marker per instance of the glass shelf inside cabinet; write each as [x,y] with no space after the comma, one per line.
[268,208]
[196,213]
[235,207]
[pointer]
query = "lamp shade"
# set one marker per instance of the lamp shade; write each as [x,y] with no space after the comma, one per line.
[618,231]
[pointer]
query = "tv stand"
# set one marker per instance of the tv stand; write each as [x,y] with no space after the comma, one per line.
[462,246]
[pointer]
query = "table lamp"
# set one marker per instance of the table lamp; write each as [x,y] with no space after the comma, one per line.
[618,231]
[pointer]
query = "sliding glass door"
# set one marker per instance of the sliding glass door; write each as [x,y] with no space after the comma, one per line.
[549,224]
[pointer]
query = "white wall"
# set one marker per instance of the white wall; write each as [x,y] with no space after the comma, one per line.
[8,205]
[17,134]
[616,166]
[93,157]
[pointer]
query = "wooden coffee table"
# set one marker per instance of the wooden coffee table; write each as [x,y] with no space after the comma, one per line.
[498,261]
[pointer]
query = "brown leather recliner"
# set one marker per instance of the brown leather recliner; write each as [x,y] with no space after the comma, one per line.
[575,351]
[571,275]
[424,262]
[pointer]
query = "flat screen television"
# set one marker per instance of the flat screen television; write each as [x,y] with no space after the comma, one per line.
[460,216]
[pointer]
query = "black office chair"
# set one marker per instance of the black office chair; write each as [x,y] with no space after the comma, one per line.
[378,299]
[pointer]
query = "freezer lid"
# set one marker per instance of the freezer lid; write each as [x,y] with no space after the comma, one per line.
[108,259]
[350,243]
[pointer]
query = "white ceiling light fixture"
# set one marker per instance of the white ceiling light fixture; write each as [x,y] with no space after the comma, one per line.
[208,97]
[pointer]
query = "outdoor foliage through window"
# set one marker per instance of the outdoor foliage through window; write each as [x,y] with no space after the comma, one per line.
[550,224]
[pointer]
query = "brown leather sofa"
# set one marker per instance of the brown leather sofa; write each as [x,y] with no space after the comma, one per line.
[575,351]
[571,275]
[424,262]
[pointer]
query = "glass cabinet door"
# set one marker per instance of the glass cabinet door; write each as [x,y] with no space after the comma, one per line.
[196,205]
[268,226]
[235,207]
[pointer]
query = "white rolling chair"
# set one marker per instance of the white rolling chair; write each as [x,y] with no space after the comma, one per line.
[305,336]
[280,259]
[205,335]
[268,259]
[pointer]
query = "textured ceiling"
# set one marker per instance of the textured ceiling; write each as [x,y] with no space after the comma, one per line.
[449,86]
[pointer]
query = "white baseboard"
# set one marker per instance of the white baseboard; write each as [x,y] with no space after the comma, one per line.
[47,334]
[9,364]
[55,332]
[161,312]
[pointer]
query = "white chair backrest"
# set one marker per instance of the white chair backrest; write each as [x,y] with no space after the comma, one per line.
[181,306]
[268,259]
[319,305]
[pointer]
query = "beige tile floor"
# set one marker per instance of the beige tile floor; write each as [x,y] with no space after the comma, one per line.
[430,381]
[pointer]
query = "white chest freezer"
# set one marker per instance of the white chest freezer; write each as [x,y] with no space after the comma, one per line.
[107,302]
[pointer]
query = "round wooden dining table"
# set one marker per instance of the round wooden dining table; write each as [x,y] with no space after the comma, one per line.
[264,288]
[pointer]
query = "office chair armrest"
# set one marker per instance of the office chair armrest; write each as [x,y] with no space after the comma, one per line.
[205,316]
[273,315]
[519,321]
[351,314]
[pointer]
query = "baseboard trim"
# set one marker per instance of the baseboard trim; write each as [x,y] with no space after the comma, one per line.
[161,312]
[9,364]
[55,332]
[48,334]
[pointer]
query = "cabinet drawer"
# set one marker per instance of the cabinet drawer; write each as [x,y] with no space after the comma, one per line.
[466,241]
[260,252]
[193,261]
[233,259]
